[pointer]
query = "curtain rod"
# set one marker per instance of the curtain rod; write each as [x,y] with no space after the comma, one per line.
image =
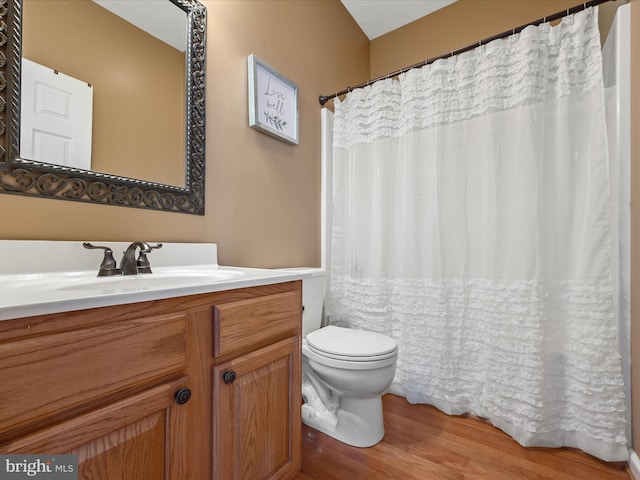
[565,13]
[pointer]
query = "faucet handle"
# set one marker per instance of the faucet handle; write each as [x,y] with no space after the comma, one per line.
[108,265]
[143,262]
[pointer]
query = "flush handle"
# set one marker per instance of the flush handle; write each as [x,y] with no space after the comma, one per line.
[228,376]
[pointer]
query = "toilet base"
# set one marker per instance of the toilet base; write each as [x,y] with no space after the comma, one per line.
[356,421]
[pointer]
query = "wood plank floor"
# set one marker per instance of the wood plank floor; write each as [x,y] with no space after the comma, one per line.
[422,443]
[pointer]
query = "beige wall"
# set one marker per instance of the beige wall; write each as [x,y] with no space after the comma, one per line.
[267,208]
[153,87]
[462,23]
[262,195]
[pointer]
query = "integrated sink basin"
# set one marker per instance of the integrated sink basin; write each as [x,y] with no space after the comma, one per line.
[44,277]
[132,283]
[88,283]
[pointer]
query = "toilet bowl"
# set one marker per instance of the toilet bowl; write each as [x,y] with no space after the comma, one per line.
[345,372]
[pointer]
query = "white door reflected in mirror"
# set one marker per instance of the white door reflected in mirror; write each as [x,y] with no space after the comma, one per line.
[56,117]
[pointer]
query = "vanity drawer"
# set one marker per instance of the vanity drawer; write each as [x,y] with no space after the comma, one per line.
[245,325]
[49,375]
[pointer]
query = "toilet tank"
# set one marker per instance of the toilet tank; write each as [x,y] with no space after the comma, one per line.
[312,298]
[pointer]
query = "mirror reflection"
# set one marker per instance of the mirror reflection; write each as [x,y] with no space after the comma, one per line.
[101,92]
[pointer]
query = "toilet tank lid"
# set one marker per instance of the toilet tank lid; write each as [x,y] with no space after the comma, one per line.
[350,342]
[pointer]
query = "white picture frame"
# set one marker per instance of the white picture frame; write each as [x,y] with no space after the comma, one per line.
[273,102]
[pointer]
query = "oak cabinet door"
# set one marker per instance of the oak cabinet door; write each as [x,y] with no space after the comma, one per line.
[256,414]
[127,440]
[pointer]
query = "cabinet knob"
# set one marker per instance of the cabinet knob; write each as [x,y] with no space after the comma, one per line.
[228,376]
[182,396]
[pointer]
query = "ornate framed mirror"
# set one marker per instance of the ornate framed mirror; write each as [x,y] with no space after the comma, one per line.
[30,175]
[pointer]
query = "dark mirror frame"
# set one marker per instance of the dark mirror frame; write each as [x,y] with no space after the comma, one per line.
[27,177]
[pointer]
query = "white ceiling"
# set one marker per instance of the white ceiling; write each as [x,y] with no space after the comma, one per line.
[159,18]
[377,17]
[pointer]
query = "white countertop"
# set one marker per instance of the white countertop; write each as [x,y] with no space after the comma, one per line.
[34,282]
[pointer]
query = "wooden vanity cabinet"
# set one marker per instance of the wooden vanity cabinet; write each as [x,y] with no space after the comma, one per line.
[102,384]
[99,384]
[128,439]
[256,387]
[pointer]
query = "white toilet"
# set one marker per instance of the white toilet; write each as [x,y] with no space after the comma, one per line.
[344,373]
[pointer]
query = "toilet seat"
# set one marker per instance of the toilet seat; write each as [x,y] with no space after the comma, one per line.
[350,345]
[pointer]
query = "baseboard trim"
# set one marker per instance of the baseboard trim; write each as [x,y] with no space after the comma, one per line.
[634,465]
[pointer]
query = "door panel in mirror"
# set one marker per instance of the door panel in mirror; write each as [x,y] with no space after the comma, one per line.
[56,117]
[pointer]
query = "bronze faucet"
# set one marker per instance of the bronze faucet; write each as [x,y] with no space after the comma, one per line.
[129,265]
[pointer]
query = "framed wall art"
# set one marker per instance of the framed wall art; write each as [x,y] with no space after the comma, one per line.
[273,102]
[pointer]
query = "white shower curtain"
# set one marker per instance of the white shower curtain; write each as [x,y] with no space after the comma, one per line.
[472,223]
